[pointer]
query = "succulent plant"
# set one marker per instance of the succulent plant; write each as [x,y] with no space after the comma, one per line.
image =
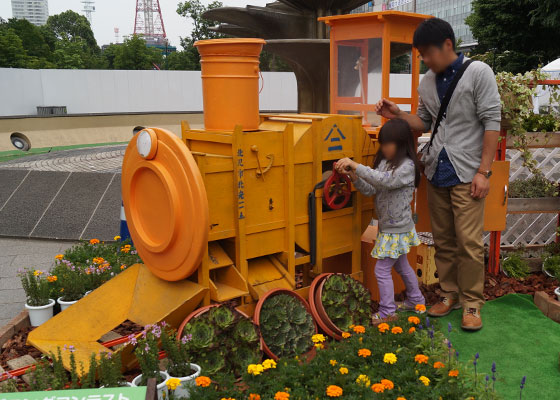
[346,301]
[221,340]
[286,326]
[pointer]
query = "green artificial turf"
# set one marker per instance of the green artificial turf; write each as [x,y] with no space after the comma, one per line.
[13,154]
[520,339]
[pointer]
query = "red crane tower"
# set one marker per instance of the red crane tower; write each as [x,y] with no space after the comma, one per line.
[149,22]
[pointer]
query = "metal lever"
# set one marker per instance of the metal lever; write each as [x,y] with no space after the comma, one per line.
[505,194]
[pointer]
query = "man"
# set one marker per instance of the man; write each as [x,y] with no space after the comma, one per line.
[457,164]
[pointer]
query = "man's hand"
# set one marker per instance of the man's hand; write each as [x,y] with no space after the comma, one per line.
[345,165]
[387,109]
[480,186]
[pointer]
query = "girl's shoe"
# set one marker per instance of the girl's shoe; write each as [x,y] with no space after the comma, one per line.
[405,307]
[377,319]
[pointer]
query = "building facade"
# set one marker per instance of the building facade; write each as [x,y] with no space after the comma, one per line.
[453,11]
[35,11]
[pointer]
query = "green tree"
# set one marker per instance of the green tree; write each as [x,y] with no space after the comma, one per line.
[31,37]
[70,54]
[193,10]
[73,27]
[180,61]
[134,54]
[515,35]
[12,53]
[109,54]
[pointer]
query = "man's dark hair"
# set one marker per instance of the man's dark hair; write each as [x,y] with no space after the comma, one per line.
[433,32]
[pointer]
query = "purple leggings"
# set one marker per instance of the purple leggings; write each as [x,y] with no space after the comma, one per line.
[383,269]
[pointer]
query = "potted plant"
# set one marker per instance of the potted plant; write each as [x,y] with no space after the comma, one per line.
[71,282]
[178,366]
[551,265]
[514,266]
[286,324]
[535,194]
[109,370]
[147,353]
[37,287]
[221,340]
[339,301]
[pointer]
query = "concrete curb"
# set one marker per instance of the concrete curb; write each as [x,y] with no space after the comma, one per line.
[20,321]
[548,305]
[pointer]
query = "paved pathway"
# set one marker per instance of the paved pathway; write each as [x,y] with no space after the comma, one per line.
[21,253]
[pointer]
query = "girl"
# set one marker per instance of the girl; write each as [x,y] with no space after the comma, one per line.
[394,176]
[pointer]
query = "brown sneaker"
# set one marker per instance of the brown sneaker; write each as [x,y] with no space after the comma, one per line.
[471,319]
[443,307]
[377,319]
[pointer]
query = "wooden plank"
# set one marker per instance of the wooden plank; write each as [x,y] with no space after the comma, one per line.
[536,140]
[530,206]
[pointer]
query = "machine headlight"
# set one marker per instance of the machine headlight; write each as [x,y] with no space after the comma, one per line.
[146,144]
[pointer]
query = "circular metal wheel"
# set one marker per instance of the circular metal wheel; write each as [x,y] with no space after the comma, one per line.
[337,191]
[165,203]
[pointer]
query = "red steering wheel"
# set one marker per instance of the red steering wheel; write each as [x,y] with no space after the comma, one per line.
[337,191]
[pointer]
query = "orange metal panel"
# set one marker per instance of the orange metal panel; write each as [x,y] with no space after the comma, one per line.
[496,202]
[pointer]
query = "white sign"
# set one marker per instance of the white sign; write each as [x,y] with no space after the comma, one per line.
[397,3]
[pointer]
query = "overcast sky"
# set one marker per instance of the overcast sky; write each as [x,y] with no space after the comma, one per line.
[120,13]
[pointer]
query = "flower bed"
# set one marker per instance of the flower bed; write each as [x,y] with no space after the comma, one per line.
[408,359]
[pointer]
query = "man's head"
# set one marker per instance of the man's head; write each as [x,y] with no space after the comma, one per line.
[435,40]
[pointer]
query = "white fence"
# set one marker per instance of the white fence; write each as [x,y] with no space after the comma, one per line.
[116,91]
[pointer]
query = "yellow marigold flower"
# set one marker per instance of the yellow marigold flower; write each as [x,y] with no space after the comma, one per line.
[412,329]
[334,391]
[203,381]
[117,237]
[98,260]
[173,383]
[268,364]
[227,398]
[388,384]
[364,353]
[94,241]
[378,388]
[361,339]
[52,278]
[389,358]
[420,308]
[363,380]
[125,249]
[333,362]
[319,345]
[346,335]
[59,256]
[454,372]
[123,267]
[318,338]
[438,365]
[421,359]
[343,370]
[255,369]
[414,320]
[37,272]
[396,330]
[383,327]
[254,396]
[425,380]
[359,329]
[281,396]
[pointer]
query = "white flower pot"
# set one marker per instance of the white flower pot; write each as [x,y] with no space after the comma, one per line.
[65,304]
[40,314]
[557,293]
[161,388]
[183,390]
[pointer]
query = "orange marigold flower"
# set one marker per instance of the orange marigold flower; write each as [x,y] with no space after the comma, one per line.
[378,387]
[364,353]
[420,307]
[125,249]
[412,329]
[438,365]
[414,320]
[59,256]
[359,329]
[94,241]
[123,267]
[346,335]
[334,391]
[281,396]
[396,330]
[52,278]
[203,381]
[254,396]
[453,372]
[421,359]
[388,384]
[383,327]
[401,398]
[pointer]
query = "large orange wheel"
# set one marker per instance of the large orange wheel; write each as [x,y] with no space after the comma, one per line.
[165,203]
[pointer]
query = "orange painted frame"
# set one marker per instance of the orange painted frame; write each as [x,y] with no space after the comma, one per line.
[389,26]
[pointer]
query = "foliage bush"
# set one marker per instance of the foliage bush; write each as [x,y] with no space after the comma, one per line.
[551,264]
[346,301]
[37,285]
[286,326]
[537,186]
[515,266]
[222,341]
[541,123]
[403,361]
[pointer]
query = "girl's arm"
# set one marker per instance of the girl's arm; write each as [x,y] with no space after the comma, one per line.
[363,187]
[400,177]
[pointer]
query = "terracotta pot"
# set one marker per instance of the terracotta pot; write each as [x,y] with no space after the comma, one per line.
[307,356]
[198,312]
[317,309]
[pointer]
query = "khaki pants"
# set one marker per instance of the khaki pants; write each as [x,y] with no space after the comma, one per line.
[457,225]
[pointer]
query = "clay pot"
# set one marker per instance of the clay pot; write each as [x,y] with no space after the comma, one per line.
[307,356]
[200,311]
[317,309]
